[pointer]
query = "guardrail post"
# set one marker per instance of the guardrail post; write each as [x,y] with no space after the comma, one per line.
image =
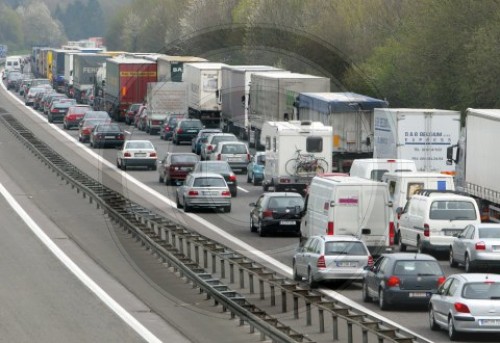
[349,332]
[308,313]
[231,272]
[188,248]
[296,307]
[163,235]
[252,329]
[214,263]
[321,320]
[197,254]
[273,296]
[335,327]
[250,281]
[222,269]
[365,336]
[242,278]
[205,258]
[261,289]
[283,302]
[181,245]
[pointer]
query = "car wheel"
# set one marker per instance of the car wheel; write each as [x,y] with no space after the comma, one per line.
[234,193]
[249,179]
[420,248]
[262,231]
[167,180]
[382,303]
[177,202]
[451,259]
[265,187]
[366,296]
[65,126]
[227,209]
[254,181]
[296,276]
[153,167]
[187,208]
[468,268]
[452,333]
[91,144]
[117,163]
[50,119]
[432,321]
[124,166]
[252,226]
[160,178]
[310,279]
[402,246]
[176,141]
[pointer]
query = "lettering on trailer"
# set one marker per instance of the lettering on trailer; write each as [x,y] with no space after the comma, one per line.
[138,74]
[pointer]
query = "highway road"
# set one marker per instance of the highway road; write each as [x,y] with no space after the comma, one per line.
[231,229]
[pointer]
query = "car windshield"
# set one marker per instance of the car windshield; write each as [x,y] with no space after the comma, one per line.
[285,202]
[63,104]
[209,182]
[93,114]
[345,248]
[194,124]
[481,290]
[184,159]
[214,167]
[489,232]
[452,210]
[139,145]
[261,160]
[417,268]
[108,127]
[79,109]
[234,149]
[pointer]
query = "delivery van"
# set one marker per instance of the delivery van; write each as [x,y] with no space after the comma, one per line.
[347,205]
[375,168]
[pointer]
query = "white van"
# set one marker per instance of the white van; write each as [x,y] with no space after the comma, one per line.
[375,168]
[13,63]
[346,205]
[431,218]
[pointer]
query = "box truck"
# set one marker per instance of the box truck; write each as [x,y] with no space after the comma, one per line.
[85,67]
[422,135]
[171,68]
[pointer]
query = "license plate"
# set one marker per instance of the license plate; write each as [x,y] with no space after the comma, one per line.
[191,131]
[419,295]
[489,322]
[210,193]
[233,159]
[140,154]
[109,137]
[347,264]
[287,222]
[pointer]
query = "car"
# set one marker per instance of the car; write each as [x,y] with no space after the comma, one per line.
[201,137]
[466,303]
[331,258]
[137,153]
[142,115]
[186,130]
[212,142]
[204,190]
[39,96]
[255,168]
[137,115]
[131,112]
[87,125]
[107,134]
[13,78]
[154,122]
[31,94]
[74,115]
[58,110]
[175,167]
[103,115]
[276,212]
[478,246]
[49,100]
[45,98]
[235,153]
[169,125]
[402,279]
[219,167]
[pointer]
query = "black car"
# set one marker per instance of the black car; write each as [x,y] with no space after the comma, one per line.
[219,167]
[186,130]
[58,110]
[107,134]
[168,127]
[277,212]
[402,279]
[13,78]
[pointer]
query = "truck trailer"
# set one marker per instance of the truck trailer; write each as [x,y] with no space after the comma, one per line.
[165,99]
[421,135]
[171,68]
[234,93]
[85,66]
[351,117]
[58,67]
[475,162]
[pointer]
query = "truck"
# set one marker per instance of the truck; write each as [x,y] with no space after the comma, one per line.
[58,67]
[85,66]
[234,94]
[422,135]
[171,68]
[475,164]
[164,99]
[68,71]
[295,152]
[273,95]
[351,117]
[203,80]
[126,84]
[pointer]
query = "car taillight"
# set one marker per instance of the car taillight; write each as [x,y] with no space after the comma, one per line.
[232,177]
[285,180]
[370,261]
[321,262]
[210,147]
[267,214]
[392,281]
[480,246]
[180,131]
[193,193]
[127,154]
[226,193]
[462,308]
[441,280]
[167,128]
[152,154]
[248,157]
[426,230]
[330,228]
[219,157]
[120,136]
[391,233]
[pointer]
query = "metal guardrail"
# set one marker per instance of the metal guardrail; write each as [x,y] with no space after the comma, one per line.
[180,248]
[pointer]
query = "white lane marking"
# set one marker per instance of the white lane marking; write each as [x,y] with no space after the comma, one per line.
[243,189]
[244,246]
[80,274]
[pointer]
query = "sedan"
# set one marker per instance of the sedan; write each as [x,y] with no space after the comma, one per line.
[255,169]
[403,279]
[204,190]
[276,212]
[222,168]
[58,110]
[186,130]
[329,258]
[201,138]
[107,134]
[75,115]
[86,126]
[135,153]
[175,167]
[466,303]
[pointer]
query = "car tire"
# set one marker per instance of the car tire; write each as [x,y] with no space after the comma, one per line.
[467,266]
[451,260]
[254,181]
[265,187]
[65,127]
[366,296]
[91,144]
[432,321]
[235,193]
[420,248]
[252,227]
[382,303]
[177,202]
[160,178]
[187,208]
[310,279]
[262,231]
[227,209]
[167,180]
[249,179]
[50,119]
[117,164]
[296,276]
[452,332]
[153,167]
[402,246]
[124,166]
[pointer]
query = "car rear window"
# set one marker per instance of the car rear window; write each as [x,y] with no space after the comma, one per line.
[261,159]
[109,127]
[489,232]
[345,248]
[184,159]
[234,149]
[209,182]
[452,210]
[285,202]
[481,290]
[139,145]
[215,167]
[418,268]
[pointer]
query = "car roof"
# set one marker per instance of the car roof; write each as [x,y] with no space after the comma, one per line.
[282,194]
[333,238]
[138,140]
[478,277]
[488,225]
[233,142]
[196,175]
[213,162]
[182,153]
[409,256]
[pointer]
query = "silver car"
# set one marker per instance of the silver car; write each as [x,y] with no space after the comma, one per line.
[324,258]
[235,153]
[478,246]
[466,303]
[204,190]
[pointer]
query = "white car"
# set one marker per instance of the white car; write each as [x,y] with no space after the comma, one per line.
[137,153]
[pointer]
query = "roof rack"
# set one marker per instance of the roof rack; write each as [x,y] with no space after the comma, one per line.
[427,192]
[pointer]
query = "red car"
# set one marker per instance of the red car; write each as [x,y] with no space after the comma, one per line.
[75,115]
[174,167]
[131,112]
[85,128]
[137,115]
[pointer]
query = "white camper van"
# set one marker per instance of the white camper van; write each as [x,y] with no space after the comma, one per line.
[13,63]
[347,205]
[375,168]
